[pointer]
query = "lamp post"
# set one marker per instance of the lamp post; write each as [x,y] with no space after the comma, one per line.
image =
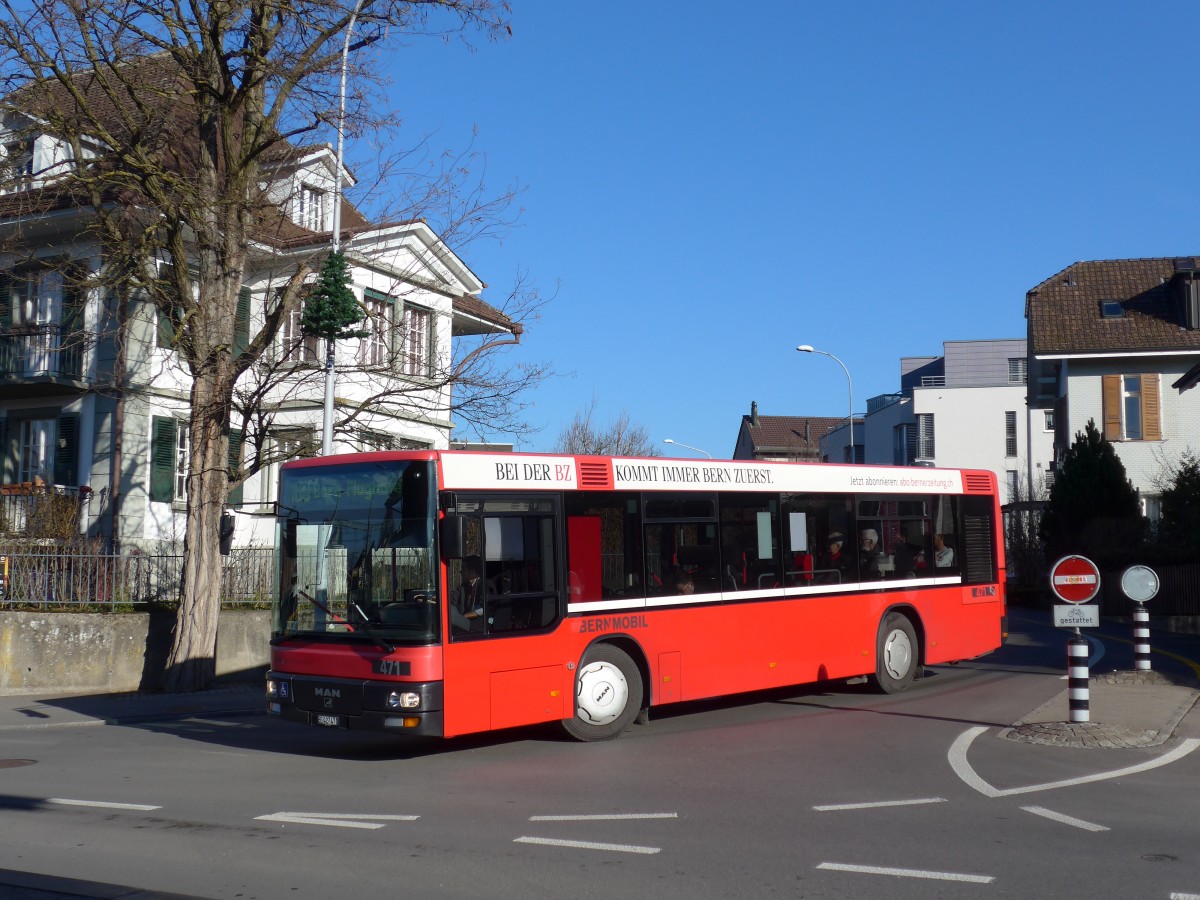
[688,447]
[327,419]
[809,348]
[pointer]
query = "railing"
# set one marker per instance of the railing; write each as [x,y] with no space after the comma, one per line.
[37,510]
[933,381]
[882,402]
[44,578]
[43,350]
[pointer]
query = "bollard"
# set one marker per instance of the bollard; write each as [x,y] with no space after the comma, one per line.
[1077,678]
[1141,638]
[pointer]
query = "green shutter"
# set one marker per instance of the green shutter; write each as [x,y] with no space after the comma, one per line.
[66,451]
[241,323]
[235,460]
[166,329]
[7,454]
[6,300]
[162,459]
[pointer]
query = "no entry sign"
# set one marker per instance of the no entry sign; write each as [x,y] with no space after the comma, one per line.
[1075,579]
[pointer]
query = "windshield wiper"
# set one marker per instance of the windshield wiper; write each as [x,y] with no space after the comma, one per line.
[372,634]
[364,625]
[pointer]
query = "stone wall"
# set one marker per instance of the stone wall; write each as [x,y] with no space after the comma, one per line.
[92,653]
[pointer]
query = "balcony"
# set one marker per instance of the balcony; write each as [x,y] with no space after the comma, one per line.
[46,358]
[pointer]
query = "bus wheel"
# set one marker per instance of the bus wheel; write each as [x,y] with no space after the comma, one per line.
[896,654]
[608,695]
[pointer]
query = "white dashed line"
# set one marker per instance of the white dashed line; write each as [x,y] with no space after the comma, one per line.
[334,820]
[1066,820]
[907,873]
[587,845]
[838,807]
[604,818]
[101,804]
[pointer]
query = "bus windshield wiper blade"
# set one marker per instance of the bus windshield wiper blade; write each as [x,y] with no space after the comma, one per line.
[372,634]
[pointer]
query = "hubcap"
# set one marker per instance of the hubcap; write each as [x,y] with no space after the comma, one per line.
[897,654]
[601,693]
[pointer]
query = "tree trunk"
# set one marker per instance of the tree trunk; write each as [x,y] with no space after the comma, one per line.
[191,664]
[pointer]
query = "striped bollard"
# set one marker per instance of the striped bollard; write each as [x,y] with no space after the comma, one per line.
[1077,678]
[1141,638]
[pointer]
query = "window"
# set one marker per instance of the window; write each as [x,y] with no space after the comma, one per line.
[925,446]
[1111,309]
[36,438]
[1048,423]
[904,444]
[1011,484]
[1010,434]
[169,457]
[417,352]
[295,345]
[289,444]
[375,347]
[18,157]
[1017,370]
[311,203]
[1131,407]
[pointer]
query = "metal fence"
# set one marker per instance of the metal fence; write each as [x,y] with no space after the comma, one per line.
[1178,593]
[44,578]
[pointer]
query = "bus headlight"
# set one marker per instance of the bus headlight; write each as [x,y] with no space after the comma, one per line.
[405,700]
[272,688]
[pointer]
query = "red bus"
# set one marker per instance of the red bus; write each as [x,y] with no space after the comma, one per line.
[444,593]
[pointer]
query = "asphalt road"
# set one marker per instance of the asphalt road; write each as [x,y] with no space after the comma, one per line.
[829,791]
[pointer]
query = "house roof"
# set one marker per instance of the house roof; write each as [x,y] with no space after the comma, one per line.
[799,435]
[1064,312]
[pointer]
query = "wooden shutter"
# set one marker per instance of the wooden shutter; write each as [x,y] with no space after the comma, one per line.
[1151,409]
[1111,390]
[235,461]
[66,451]
[241,323]
[162,459]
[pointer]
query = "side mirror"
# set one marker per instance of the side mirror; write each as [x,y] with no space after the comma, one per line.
[226,534]
[451,532]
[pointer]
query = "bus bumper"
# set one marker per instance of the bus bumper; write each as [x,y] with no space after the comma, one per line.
[400,707]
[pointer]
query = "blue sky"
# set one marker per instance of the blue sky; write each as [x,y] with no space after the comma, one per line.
[710,185]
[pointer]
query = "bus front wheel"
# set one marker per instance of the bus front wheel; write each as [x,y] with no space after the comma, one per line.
[608,695]
[896,654]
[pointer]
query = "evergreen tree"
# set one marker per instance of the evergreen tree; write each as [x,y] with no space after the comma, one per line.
[331,308]
[1094,510]
[1179,527]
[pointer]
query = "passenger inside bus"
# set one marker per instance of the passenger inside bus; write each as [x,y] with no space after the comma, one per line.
[836,561]
[871,562]
[943,554]
[466,601]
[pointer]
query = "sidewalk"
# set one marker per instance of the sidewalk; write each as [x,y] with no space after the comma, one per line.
[1127,710]
[18,712]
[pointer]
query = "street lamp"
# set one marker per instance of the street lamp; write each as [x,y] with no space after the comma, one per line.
[809,348]
[686,446]
[327,421]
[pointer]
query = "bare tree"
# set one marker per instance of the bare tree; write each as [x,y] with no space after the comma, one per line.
[174,115]
[620,437]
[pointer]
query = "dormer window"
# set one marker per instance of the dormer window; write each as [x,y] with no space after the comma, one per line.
[1112,309]
[311,208]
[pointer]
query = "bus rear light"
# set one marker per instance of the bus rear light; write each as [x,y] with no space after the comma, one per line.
[405,700]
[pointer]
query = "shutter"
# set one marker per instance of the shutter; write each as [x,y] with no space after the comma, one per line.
[910,444]
[235,460]
[6,300]
[162,459]
[7,458]
[1111,391]
[66,451]
[1151,409]
[166,330]
[979,562]
[241,323]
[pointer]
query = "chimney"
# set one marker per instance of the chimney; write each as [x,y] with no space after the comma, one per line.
[753,413]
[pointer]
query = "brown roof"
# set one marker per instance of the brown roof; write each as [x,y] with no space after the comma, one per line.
[1064,311]
[473,306]
[796,434]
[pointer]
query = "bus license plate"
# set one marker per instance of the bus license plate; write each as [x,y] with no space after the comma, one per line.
[330,721]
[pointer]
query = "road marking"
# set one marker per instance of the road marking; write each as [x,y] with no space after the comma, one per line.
[907,873]
[604,818]
[587,845]
[1066,820]
[335,820]
[1191,664]
[837,807]
[958,762]
[1185,896]
[102,804]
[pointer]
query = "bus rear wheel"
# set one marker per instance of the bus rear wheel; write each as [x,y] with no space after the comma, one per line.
[608,695]
[896,654]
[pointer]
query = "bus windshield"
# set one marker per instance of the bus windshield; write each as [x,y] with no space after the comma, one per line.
[355,557]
